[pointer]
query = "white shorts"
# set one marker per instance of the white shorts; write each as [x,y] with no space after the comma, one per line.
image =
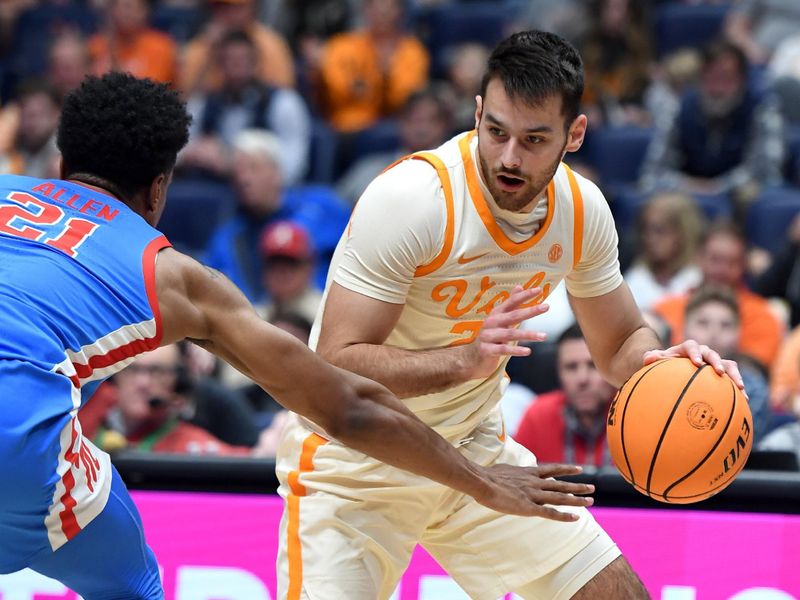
[351,524]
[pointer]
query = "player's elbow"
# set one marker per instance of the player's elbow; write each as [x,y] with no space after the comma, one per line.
[359,419]
[356,420]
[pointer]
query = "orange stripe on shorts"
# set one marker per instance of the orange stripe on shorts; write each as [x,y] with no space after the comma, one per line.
[310,445]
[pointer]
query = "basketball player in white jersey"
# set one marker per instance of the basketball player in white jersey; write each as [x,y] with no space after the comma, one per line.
[446,253]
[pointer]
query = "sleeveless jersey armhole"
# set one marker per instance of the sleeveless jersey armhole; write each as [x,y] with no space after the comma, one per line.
[449,230]
[577,205]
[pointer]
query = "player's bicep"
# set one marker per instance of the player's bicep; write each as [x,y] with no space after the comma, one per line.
[354,318]
[200,303]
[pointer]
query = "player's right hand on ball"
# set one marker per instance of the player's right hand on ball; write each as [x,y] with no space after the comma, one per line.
[526,490]
[500,333]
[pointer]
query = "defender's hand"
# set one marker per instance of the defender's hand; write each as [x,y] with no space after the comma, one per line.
[526,490]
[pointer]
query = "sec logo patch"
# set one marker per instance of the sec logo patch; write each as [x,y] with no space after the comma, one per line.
[555,253]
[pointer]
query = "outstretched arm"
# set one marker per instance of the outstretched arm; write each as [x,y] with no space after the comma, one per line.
[621,342]
[200,304]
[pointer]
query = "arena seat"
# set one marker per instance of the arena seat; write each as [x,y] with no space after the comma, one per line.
[792,167]
[679,25]
[180,22]
[617,153]
[33,32]
[446,26]
[627,202]
[322,153]
[384,136]
[194,208]
[770,216]
[537,371]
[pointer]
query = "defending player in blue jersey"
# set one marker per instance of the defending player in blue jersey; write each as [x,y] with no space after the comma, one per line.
[86,284]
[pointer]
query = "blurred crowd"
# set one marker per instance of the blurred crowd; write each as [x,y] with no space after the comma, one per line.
[694,112]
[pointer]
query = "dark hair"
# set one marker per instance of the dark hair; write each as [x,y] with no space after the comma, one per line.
[534,65]
[237,36]
[36,86]
[573,332]
[713,293]
[724,227]
[122,129]
[432,93]
[720,48]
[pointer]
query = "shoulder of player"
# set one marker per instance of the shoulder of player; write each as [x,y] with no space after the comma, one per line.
[590,192]
[179,276]
[413,184]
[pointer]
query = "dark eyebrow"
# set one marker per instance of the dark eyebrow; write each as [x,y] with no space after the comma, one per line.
[541,129]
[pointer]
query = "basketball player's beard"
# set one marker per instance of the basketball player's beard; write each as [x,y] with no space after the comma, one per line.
[516,201]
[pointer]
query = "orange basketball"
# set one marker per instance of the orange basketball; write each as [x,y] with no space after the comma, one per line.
[679,433]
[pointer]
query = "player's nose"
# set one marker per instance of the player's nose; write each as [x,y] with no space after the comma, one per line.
[511,156]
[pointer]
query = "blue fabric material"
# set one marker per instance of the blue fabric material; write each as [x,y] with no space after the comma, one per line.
[712,148]
[51,301]
[233,248]
[72,272]
[109,559]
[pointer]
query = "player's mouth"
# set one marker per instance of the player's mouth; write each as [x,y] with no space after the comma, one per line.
[509,183]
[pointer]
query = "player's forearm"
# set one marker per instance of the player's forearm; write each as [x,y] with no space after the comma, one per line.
[365,416]
[378,424]
[407,373]
[629,357]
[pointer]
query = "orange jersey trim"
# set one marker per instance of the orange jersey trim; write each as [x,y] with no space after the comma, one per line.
[295,554]
[498,235]
[450,226]
[577,203]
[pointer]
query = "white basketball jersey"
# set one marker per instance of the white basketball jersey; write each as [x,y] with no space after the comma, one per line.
[477,267]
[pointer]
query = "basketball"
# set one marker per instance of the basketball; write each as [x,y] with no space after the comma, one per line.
[679,433]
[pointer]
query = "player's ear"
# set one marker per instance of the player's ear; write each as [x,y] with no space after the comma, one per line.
[576,133]
[157,194]
[478,110]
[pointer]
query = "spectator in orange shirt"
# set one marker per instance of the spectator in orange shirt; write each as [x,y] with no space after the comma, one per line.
[129,44]
[200,73]
[369,74]
[569,425]
[784,377]
[722,260]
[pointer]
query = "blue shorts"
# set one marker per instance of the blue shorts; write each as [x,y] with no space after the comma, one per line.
[64,510]
[109,559]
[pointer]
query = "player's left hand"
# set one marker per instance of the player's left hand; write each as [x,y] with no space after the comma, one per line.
[699,354]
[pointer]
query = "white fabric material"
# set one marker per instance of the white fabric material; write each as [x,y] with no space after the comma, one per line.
[400,224]
[120,337]
[90,473]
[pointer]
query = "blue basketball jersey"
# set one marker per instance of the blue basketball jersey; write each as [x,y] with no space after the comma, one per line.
[76,279]
[77,303]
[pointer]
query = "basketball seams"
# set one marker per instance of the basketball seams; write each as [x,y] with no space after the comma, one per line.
[667,424]
[622,416]
[713,449]
[715,489]
[697,497]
